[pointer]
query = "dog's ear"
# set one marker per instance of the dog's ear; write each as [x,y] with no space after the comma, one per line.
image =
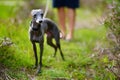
[41,11]
[33,12]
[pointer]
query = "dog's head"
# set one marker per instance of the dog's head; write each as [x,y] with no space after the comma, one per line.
[37,15]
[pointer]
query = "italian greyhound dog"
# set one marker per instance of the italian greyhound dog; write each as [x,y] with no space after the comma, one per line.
[38,27]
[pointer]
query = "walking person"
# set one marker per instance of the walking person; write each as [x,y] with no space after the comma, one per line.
[69,6]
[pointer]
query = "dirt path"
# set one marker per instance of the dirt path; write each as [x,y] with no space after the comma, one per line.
[88,19]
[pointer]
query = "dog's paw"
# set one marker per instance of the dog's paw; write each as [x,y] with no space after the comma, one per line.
[38,72]
[34,67]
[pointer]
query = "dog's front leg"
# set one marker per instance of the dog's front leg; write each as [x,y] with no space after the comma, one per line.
[41,53]
[41,42]
[35,54]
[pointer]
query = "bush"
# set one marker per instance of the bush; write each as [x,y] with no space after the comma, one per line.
[112,23]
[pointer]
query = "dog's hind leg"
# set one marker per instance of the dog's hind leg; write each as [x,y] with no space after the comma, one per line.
[57,39]
[49,42]
[58,45]
[35,54]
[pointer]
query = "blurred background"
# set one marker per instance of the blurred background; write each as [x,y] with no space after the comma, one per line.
[92,55]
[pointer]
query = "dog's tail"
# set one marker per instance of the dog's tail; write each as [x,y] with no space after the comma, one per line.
[46,9]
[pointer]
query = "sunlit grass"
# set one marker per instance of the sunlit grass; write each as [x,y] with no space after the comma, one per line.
[77,53]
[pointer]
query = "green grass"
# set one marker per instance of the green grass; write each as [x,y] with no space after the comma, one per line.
[19,57]
[79,65]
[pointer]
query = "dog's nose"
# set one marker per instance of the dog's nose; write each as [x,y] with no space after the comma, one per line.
[40,21]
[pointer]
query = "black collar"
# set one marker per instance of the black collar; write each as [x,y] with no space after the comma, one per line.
[35,29]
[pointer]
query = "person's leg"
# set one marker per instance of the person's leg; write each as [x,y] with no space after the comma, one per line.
[71,24]
[62,19]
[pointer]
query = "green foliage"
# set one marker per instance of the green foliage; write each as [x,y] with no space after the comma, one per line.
[8,8]
[113,20]
[113,25]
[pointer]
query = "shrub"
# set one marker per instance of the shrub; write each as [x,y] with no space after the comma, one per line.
[112,23]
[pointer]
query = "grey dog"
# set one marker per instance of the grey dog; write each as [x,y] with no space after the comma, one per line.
[37,29]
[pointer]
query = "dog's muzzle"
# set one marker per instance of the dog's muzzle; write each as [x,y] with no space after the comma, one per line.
[38,21]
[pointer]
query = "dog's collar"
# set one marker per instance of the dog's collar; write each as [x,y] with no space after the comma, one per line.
[35,29]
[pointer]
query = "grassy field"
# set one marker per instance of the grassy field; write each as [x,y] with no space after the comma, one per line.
[80,53]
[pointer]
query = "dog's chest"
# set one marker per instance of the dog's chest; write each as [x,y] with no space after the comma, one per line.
[35,36]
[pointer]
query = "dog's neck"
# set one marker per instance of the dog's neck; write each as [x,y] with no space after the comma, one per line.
[35,24]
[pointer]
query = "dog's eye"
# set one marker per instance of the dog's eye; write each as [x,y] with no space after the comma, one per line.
[41,14]
[34,16]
